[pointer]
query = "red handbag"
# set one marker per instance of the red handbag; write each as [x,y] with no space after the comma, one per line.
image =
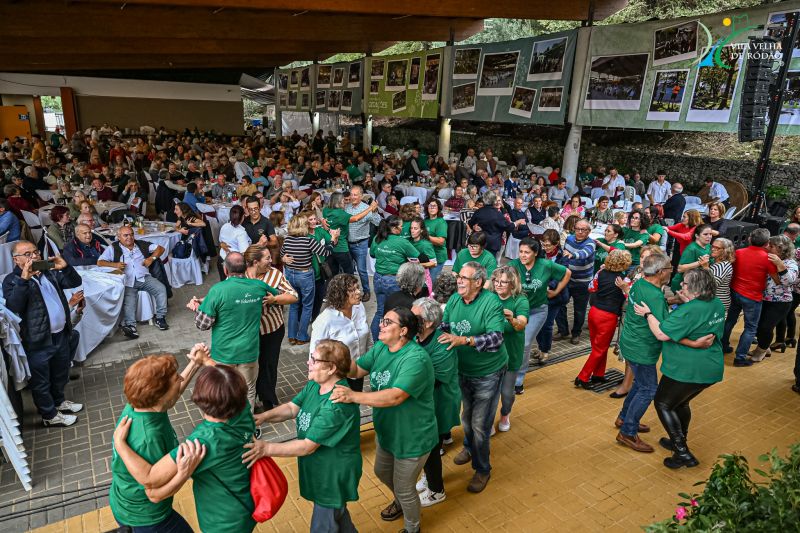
[268,487]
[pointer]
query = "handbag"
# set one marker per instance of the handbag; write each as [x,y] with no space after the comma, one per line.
[268,487]
[182,249]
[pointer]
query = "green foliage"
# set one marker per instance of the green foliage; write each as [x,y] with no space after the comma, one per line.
[253,109]
[51,102]
[732,501]
[777,192]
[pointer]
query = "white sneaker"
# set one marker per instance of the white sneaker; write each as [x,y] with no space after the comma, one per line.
[493,432]
[60,420]
[422,484]
[70,407]
[428,498]
[501,427]
[448,441]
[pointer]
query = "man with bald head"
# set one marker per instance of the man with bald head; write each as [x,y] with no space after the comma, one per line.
[84,249]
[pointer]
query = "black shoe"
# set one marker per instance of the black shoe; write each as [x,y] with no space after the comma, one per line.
[365,297]
[617,395]
[519,389]
[741,361]
[574,340]
[74,375]
[666,443]
[598,379]
[681,459]
[727,350]
[562,337]
[796,388]
[583,384]
[791,343]
[161,322]
[130,332]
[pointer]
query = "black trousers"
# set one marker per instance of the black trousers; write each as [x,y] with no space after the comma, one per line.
[672,405]
[343,262]
[771,314]
[356,384]
[221,268]
[269,351]
[433,468]
[320,289]
[787,328]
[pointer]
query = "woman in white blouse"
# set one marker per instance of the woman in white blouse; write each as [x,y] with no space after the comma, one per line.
[345,320]
[232,237]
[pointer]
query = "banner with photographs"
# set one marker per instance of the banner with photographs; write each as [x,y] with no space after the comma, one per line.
[330,88]
[404,85]
[684,74]
[522,81]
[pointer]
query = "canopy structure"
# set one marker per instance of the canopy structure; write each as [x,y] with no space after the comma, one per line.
[216,40]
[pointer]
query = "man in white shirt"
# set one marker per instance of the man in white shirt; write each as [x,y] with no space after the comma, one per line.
[717,193]
[613,184]
[659,189]
[470,161]
[134,259]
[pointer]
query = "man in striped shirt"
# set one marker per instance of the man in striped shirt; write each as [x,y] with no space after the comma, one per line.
[579,250]
[358,236]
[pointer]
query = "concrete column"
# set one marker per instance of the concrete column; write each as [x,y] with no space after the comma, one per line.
[314,123]
[444,139]
[367,136]
[278,121]
[572,150]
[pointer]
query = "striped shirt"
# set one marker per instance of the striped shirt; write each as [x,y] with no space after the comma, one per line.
[722,272]
[301,249]
[360,230]
[271,314]
[582,261]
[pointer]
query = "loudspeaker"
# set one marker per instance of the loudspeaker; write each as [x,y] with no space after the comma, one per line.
[738,232]
[758,80]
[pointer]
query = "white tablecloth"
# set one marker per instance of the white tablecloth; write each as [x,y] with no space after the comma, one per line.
[104,293]
[421,193]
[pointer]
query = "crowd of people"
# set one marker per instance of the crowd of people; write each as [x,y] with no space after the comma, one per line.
[444,348]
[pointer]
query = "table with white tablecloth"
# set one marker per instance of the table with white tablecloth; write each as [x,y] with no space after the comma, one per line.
[421,193]
[104,293]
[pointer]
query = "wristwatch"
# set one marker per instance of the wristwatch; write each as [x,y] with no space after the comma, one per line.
[647,315]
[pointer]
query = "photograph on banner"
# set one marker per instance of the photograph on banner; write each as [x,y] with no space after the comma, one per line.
[430,85]
[396,70]
[714,88]
[675,43]
[547,59]
[776,27]
[413,74]
[376,69]
[305,100]
[292,99]
[293,79]
[324,74]
[305,79]
[320,98]
[522,100]
[399,101]
[334,100]
[615,82]
[463,99]
[668,90]
[790,111]
[347,100]
[550,99]
[283,100]
[283,82]
[354,76]
[338,77]
[374,87]
[465,63]
[497,73]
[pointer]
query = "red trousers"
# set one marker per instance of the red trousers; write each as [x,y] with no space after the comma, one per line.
[602,325]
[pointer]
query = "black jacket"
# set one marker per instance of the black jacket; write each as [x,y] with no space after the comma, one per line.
[674,206]
[494,224]
[24,298]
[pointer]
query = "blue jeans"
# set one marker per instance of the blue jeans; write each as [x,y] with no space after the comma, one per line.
[479,397]
[545,337]
[300,311]
[327,520]
[49,374]
[384,286]
[536,320]
[752,312]
[174,523]
[151,286]
[435,271]
[645,383]
[359,251]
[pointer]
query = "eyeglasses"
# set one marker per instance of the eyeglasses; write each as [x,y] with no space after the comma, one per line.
[582,230]
[501,281]
[385,322]
[313,360]
[473,246]
[464,278]
[29,254]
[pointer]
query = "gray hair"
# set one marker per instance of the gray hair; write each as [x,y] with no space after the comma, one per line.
[410,277]
[783,245]
[728,250]
[759,237]
[793,228]
[655,263]
[480,270]
[336,201]
[431,310]
[489,198]
[235,264]
[701,282]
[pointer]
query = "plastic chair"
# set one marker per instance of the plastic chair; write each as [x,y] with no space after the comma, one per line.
[588,203]
[186,271]
[409,200]
[34,223]
[50,249]
[4,238]
[693,200]
[729,213]
[596,193]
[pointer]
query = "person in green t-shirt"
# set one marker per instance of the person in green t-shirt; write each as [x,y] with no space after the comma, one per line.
[636,236]
[328,443]
[339,219]
[322,236]
[475,251]
[437,231]
[422,242]
[402,379]
[446,396]
[686,371]
[152,386]
[696,255]
[221,482]
[611,240]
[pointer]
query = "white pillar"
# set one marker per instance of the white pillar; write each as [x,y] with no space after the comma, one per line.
[444,139]
[367,135]
[572,150]
[314,123]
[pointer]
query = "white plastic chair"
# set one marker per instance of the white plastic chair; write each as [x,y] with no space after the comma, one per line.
[597,192]
[34,223]
[729,213]
[588,203]
[46,195]
[693,200]
[409,200]
[210,216]
[512,248]
[50,248]
[185,271]
[145,306]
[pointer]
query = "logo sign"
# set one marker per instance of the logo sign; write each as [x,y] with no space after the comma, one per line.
[711,55]
[23,117]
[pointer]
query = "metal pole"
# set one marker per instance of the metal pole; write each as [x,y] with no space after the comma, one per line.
[775,105]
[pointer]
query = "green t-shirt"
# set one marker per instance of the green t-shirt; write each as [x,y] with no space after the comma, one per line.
[338,219]
[329,476]
[657,228]
[636,342]
[437,227]
[407,430]
[600,254]
[424,246]
[535,280]
[486,259]
[693,320]
[236,307]
[513,339]
[632,236]
[446,392]
[151,436]
[406,231]
[690,254]
[391,253]
[221,481]
[483,315]
[322,237]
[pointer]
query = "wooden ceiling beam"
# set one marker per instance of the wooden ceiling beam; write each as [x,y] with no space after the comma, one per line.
[65,63]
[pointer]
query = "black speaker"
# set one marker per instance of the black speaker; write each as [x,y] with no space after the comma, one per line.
[758,80]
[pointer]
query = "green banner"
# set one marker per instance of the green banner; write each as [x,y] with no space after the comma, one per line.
[328,88]
[683,74]
[405,85]
[523,81]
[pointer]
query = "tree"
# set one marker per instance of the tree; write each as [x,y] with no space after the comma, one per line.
[52,102]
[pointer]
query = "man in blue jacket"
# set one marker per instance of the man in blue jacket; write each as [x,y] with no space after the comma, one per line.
[579,251]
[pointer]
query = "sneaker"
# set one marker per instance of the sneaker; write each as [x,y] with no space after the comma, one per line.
[60,420]
[422,484]
[544,357]
[70,407]
[575,340]
[493,432]
[503,427]
[161,322]
[448,441]
[428,498]
[519,389]
[463,457]
[741,361]
[129,331]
